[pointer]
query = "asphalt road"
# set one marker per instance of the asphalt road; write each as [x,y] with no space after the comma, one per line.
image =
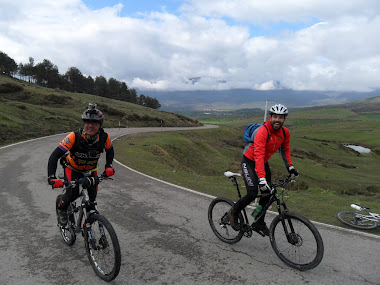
[163,231]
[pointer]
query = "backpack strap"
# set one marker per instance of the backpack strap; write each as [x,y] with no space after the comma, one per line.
[102,139]
[267,132]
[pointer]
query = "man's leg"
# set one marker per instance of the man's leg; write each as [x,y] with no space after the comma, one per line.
[70,195]
[251,182]
[92,192]
[260,223]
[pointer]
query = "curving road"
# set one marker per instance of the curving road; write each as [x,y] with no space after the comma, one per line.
[163,231]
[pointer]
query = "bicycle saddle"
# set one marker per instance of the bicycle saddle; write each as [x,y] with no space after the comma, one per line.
[230,174]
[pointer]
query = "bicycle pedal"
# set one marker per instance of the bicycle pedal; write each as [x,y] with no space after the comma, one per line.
[260,233]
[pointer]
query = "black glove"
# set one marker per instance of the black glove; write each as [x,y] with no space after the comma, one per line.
[293,171]
[90,181]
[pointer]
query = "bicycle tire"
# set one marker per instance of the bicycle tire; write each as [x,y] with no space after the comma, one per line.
[67,232]
[98,248]
[304,250]
[222,229]
[351,219]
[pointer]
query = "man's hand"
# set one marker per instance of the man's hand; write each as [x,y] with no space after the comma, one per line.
[54,182]
[293,171]
[109,171]
[90,181]
[263,185]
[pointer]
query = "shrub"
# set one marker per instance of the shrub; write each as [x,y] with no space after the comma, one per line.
[10,88]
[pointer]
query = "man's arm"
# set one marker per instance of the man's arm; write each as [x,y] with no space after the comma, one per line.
[109,171]
[66,144]
[259,151]
[53,161]
[285,149]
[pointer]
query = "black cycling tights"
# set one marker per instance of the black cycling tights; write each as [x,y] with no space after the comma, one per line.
[72,193]
[251,181]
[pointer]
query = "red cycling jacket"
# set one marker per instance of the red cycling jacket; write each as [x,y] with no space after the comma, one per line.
[264,147]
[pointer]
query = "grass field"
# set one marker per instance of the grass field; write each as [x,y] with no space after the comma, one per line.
[332,176]
[30,111]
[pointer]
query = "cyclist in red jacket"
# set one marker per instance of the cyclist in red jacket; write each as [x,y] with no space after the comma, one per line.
[256,172]
[79,152]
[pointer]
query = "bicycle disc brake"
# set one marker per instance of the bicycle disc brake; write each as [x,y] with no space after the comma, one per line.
[295,239]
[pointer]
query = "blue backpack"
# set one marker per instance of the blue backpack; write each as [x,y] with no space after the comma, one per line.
[250,132]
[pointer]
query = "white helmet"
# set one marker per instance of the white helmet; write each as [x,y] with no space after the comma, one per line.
[278,109]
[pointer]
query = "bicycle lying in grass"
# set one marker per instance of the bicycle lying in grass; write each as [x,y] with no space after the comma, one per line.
[100,240]
[294,239]
[358,220]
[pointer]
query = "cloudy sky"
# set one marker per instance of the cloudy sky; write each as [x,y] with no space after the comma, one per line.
[199,44]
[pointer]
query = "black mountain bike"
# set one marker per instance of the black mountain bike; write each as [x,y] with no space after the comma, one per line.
[294,239]
[100,240]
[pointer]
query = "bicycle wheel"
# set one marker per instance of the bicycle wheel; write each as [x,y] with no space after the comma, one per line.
[67,232]
[356,220]
[296,241]
[102,247]
[219,221]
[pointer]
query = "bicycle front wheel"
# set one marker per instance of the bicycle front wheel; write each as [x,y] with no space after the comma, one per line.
[296,241]
[102,247]
[356,220]
[219,221]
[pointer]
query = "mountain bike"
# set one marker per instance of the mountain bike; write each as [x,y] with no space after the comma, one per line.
[100,240]
[294,239]
[358,220]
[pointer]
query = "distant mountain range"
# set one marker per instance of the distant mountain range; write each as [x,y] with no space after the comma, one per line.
[175,101]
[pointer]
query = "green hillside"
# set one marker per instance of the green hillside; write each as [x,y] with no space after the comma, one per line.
[332,176]
[29,111]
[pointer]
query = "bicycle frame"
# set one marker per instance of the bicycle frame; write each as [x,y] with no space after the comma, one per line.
[81,210]
[371,217]
[274,198]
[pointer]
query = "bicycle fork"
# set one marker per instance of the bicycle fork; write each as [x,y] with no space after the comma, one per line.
[287,224]
[91,237]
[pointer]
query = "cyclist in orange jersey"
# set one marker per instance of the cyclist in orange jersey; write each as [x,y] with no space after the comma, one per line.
[270,137]
[79,153]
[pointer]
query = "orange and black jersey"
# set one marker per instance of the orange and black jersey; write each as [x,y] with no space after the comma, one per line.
[83,154]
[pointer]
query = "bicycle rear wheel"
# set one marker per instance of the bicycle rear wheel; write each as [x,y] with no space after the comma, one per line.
[219,221]
[102,247]
[296,241]
[67,232]
[356,220]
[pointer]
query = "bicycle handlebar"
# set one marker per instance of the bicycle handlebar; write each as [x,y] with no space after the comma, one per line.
[81,180]
[284,181]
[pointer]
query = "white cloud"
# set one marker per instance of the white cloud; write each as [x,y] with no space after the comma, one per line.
[321,45]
